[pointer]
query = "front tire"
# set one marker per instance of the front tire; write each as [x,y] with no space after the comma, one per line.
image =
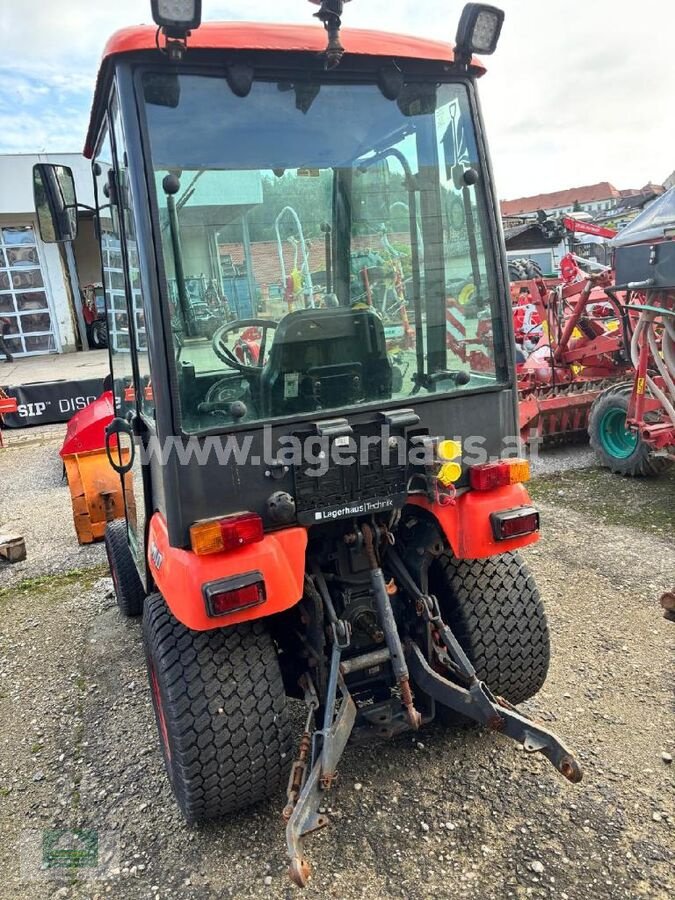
[221,712]
[494,610]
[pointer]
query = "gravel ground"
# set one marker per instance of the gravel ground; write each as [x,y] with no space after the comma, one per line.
[34,502]
[453,813]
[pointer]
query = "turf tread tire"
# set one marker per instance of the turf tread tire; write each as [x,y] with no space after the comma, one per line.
[494,609]
[642,462]
[129,590]
[225,713]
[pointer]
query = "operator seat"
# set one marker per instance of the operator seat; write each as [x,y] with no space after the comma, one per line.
[324,359]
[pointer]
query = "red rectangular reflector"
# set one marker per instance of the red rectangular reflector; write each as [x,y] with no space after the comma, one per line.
[514,523]
[234,594]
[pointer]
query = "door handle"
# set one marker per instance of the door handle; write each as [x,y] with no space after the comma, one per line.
[115,428]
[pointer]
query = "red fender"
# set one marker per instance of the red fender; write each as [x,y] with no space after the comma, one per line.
[180,575]
[466,523]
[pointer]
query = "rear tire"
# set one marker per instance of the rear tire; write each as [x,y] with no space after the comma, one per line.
[494,610]
[619,450]
[221,712]
[128,586]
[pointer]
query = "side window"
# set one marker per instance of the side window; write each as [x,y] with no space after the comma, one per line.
[147,404]
[113,275]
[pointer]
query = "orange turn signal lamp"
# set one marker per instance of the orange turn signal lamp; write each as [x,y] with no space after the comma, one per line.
[499,474]
[229,533]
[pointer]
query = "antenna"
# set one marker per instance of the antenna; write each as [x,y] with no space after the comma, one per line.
[330,13]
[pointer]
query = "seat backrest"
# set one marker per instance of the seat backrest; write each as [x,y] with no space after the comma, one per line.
[325,358]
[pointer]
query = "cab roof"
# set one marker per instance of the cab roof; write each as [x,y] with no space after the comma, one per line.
[249,36]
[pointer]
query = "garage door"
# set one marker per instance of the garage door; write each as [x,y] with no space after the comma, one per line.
[23,296]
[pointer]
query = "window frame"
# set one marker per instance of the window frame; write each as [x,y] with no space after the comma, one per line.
[423,71]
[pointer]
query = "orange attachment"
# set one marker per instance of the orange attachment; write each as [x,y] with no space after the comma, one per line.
[181,575]
[466,524]
[96,492]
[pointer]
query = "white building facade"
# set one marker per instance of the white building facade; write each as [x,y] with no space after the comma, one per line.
[38,290]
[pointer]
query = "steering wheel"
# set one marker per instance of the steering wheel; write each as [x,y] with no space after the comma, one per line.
[226,355]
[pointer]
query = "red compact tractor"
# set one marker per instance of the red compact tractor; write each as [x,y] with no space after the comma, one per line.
[308,515]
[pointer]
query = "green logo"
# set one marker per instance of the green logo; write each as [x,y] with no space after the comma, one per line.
[70,849]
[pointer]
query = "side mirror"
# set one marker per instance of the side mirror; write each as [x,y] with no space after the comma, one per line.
[55,202]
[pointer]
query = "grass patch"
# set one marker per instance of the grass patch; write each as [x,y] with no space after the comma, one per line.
[645,503]
[83,578]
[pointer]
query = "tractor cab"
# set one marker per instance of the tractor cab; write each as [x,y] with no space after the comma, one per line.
[312,355]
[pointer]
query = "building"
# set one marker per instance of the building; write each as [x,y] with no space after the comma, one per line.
[40,283]
[592,198]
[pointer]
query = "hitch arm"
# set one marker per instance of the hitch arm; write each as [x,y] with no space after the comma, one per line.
[328,745]
[478,704]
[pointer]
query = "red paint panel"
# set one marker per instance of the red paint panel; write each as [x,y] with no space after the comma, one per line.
[466,524]
[181,574]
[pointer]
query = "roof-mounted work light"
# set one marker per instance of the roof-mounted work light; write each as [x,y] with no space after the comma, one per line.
[176,19]
[478,31]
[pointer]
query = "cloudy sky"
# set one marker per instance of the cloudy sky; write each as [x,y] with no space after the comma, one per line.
[578,92]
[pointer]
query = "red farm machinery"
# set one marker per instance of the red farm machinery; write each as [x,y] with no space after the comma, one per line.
[595,346]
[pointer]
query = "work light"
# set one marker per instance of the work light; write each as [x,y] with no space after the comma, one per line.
[478,31]
[177,17]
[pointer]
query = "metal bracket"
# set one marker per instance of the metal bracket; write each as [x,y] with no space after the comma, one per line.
[328,745]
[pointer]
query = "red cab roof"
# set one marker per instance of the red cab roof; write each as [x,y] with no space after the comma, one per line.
[248,36]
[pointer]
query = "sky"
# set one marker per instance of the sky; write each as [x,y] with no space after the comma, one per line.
[577,92]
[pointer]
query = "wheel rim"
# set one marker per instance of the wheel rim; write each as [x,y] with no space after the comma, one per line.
[617,440]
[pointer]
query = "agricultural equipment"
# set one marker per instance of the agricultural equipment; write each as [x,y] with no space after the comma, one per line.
[95,490]
[571,336]
[632,425]
[93,311]
[312,520]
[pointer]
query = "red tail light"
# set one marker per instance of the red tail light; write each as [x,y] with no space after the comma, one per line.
[216,535]
[499,474]
[514,522]
[240,592]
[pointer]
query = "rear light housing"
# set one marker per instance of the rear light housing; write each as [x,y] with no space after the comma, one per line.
[234,594]
[229,533]
[512,523]
[499,474]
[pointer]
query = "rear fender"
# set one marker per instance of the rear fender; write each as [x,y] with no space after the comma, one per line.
[466,523]
[180,575]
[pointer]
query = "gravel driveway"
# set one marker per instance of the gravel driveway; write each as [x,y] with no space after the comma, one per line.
[451,814]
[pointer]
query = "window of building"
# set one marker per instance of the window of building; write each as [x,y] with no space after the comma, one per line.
[23,296]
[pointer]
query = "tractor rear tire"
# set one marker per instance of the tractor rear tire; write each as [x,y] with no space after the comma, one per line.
[619,450]
[494,610]
[128,586]
[221,712]
[523,269]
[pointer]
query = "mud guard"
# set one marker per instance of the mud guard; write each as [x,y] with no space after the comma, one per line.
[466,523]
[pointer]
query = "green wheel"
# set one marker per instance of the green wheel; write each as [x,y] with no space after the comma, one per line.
[614,437]
[618,448]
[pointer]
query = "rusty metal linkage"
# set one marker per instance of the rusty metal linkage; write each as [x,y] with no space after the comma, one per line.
[383,593]
[475,699]
[328,745]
